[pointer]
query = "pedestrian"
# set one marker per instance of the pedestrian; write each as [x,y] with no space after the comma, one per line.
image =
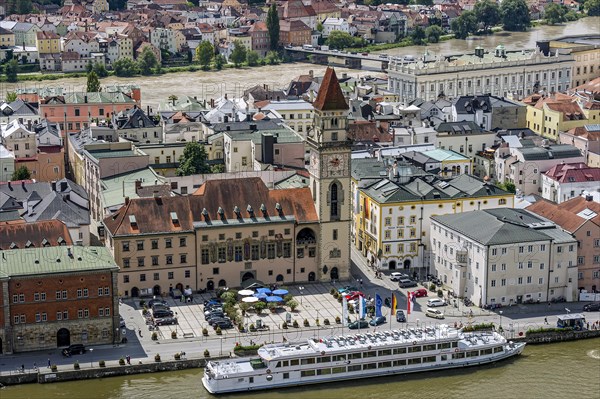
[128,359]
[49,364]
[588,325]
[34,366]
[22,368]
[545,320]
[140,331]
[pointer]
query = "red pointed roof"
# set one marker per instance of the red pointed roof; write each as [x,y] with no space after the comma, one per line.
[330,96]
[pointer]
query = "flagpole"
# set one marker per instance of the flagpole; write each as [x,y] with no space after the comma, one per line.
[391,308]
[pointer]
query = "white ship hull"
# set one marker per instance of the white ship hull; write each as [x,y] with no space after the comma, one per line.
[240,380]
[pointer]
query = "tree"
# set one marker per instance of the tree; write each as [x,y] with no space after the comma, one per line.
[433,33]
[100,70]
[555,14]
[22,173]
[418,35]
[515,15]
[194,160]
[487,12]
[238,55]
[464,25]
[592,7]
[93,83]
[218,168]
[273,27]
[10,70]
[340,40]
[204,53]
[24,7]
[252,58]
[147,61]
[173,98]
[11,96]
[125,67]
[219,61]
[89,67]
[319,27]
[272,58]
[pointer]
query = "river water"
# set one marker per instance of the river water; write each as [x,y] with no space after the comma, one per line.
[207,85]
[565,370]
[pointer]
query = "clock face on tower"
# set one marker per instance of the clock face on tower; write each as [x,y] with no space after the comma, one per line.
[336,165]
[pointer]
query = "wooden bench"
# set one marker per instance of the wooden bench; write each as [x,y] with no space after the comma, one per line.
[188,335]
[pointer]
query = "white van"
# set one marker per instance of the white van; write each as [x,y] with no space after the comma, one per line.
[436,314]
[435,302]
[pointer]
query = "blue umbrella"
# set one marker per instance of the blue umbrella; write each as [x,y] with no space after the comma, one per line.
[261,295]
[263,291]
[280,291]
[274,298]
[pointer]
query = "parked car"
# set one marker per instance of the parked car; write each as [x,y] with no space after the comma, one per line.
[212,301]
[354,295]
[436,314]
[153,302]
[377,321]
[75,349]
[592,307]
[213,315]
[358,324]
[400,316]
[121,322]
[435,302]
[214,320]
[166,321]
[347,288]
[223,323]
[397,276]
[212,310]
[406,283]
[159,314]
[419,293]
[160,306]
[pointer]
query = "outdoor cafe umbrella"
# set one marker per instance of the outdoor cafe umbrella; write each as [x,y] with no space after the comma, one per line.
[274,298]
[263,291]
[280,292]
[250,299]
[260,295]
[245,292]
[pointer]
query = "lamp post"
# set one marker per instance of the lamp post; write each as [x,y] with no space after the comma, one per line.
[91,360]
[221,350]
[176,322]
[301,289]
[500,313]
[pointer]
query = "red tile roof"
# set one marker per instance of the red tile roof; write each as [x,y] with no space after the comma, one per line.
[37,234]
[565,214]
[573,173]
[330,96]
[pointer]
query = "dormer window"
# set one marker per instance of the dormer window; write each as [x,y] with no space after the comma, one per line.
[133,222]
[221,213]
[45,243]
[250,211]
[13,245]
[279,209]
[237,212]
[263,209]
[205,214]
[61,241]
[174,218]
[28,244]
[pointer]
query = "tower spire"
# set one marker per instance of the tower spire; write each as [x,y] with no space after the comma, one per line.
[330,96]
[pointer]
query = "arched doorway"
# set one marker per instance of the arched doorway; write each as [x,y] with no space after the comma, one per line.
[407,263]
[135,292]
[63,337]
[305,236]
[279,278]
[179,287]
[247,276]
[392,265]
[335,275]
[222,283]
[312,276]
[156,290]
[210,285]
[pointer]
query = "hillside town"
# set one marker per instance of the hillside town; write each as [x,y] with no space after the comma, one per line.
[477,173]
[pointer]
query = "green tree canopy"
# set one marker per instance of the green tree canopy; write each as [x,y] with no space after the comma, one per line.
[320,26]
[272,58]
[219,61]
[147,61]
[464,25]
[11,96]
[433,33]
[93,83]
[238,55]
[194,160]
[10,69]
[100,70]
[273,27]
[418,35]
[22,173]
[515,15]
[555,13]
[252,58]
[487,12]
[204,54]
[125,67]
[341,40]
[592,7]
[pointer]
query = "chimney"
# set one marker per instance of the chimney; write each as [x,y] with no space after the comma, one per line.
[138,185]
[53,185]
[126,200]
[311,73]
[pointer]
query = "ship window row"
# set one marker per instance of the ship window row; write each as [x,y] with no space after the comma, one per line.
[368,366]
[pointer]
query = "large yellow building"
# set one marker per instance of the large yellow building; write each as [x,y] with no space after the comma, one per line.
[586,53]
[7,38]
[47,42]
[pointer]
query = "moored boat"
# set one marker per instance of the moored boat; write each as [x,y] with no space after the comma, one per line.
[363,355]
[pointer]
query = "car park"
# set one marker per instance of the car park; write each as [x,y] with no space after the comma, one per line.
[436,314]
[166,321]
[418,293]
[358,325]
[400,316]
[377,321]
[407,283]
[75,349]
[435,302]
[397,276]
[592,307]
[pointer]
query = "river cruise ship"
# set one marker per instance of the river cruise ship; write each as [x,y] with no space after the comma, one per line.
[361,355]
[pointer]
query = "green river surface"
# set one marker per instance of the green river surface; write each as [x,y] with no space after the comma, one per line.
[564,370]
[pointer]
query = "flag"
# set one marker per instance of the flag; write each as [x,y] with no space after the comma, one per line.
[408,295]
[378,303]
[345,311]
[394,304]
[362,307]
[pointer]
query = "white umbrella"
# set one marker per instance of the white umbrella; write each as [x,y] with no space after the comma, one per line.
[250,299]
[245,292]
